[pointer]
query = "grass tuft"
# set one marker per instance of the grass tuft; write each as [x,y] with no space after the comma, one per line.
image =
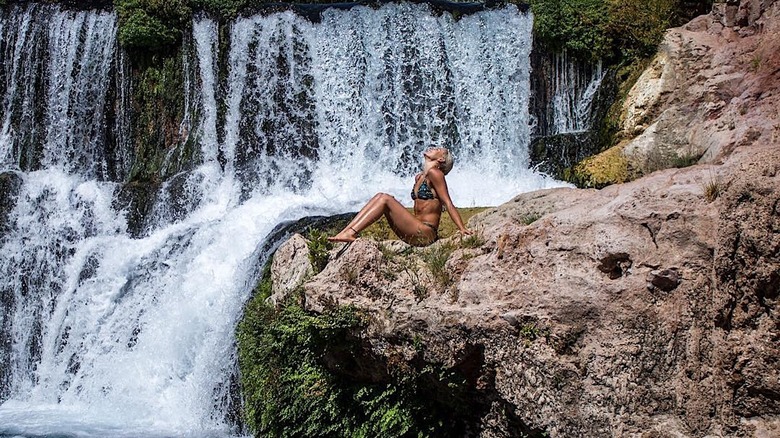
[712,190]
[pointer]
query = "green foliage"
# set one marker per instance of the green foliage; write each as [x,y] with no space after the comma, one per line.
[574,25]
[290,392]
[611,29]
[319,246]
[436,257]
[637,27]
[226,9]
[287,392]
[151,24]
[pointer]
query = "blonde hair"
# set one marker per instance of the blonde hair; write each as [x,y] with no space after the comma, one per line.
[449,160]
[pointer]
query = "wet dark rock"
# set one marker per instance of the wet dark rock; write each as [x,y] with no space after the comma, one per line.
[554,154]
[10,183]
[615,265]
[137,199]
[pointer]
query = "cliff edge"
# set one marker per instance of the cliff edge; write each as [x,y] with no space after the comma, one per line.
[642,309]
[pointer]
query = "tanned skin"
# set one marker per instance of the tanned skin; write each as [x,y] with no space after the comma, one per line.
[410,227]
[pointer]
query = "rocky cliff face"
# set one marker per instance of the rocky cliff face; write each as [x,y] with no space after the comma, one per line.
[643,309]
[712,87]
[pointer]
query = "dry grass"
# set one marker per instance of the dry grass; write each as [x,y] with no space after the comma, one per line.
[712,190]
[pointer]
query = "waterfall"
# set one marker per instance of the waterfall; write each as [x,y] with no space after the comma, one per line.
[111,333]
[575,86]
[61,125]
[565,93]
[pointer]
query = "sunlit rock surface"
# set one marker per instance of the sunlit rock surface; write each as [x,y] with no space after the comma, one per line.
[643,309]
[712,87]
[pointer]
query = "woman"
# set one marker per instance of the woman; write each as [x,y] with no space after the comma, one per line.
[430,196]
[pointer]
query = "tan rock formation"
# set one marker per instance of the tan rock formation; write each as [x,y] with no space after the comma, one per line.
[290,267]
[714,85]
[645,309]
[571,331]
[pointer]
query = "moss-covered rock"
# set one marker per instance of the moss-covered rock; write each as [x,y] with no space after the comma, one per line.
[162,148]
[600,170]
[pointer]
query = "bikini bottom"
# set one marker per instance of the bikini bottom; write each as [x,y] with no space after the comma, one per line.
[435,231]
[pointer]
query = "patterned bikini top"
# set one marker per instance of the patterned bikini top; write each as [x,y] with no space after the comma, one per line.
[423,192]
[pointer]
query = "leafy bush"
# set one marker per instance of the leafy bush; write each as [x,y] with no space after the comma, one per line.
[636,27]
[578,26]
[289,391]
[222,8]
[611,29]
[151,24]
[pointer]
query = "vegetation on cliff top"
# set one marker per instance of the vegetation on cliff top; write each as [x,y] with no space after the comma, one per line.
[615,30]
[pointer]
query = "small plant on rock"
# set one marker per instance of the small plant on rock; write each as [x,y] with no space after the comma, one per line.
[475,240]
[530,217]
[436,257]
[712,190]
[319,246]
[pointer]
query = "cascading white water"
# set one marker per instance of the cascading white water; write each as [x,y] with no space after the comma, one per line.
[74,52]
[120,336]
[575,85]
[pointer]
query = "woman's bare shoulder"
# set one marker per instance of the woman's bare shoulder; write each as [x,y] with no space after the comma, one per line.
[435,174]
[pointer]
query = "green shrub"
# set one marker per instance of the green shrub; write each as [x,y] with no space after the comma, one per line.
[636,27]
[152,24]
[574,25]
[289,391]
[225,9]
[319,247]
[617,30]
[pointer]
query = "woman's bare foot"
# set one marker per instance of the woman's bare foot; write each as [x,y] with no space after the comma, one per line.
[346,235]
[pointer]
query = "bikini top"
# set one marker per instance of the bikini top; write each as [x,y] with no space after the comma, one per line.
[424,192]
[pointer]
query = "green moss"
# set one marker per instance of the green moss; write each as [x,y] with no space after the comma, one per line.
[289,361]
[158,108]
[608,167]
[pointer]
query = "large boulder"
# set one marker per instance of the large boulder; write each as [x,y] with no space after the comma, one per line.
[643,308]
